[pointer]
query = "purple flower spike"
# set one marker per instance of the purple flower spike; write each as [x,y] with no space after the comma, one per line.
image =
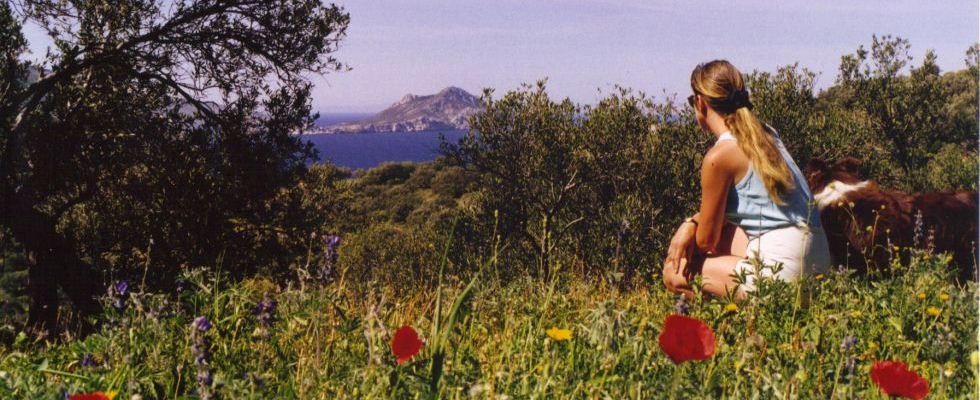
[680,307]
[202,324]
[89,361]
[122,287]
[332,242]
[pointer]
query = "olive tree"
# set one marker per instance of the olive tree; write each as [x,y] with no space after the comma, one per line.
[152,130]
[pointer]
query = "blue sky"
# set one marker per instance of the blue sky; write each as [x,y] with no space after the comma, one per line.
[420,46]
[583,46]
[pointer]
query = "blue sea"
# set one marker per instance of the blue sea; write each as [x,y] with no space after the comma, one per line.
[367,150]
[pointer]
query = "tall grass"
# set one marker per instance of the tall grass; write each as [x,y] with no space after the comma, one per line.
[789,341]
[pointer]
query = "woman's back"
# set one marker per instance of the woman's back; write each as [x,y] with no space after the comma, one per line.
[750,206]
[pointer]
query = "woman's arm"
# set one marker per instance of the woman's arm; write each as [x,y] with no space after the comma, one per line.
[716,178]
[681,246]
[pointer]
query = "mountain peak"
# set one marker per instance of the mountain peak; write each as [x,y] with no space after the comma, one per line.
[448,109]
[453,90]
[406,99]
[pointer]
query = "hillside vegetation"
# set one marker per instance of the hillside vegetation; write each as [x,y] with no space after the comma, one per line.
[556,215]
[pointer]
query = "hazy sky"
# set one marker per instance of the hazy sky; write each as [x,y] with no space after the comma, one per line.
[421,46]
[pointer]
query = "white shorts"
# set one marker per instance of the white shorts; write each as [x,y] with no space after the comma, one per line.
[800,249]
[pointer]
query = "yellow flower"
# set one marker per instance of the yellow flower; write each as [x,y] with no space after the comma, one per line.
[943,296]
[559,335]
[731,307]
[855,314]
[850,204]
[818,277]
[921,295]
[934,311]
[975,358]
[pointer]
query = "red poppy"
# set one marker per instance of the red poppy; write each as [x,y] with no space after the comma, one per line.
[685,339]
[895,379]
[92,396]
[405,344]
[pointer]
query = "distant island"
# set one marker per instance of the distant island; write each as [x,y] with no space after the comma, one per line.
[449,109]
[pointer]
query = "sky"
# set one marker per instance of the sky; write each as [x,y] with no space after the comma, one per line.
[395,47]
[585,47]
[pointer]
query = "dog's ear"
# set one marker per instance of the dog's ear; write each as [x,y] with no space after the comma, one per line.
[816,164]
[849,164]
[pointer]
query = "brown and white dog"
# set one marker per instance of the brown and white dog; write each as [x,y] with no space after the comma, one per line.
[849,206]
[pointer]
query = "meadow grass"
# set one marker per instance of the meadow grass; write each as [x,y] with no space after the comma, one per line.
[331,341]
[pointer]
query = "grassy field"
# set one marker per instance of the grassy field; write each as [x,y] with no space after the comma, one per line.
[814,339]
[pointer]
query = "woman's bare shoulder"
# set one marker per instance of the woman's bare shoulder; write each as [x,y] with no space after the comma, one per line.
[726,155]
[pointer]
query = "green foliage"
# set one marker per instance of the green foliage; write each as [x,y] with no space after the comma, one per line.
[914,112]
[157,135]
[333,342]
[600,188]
[952,168]
[587,181]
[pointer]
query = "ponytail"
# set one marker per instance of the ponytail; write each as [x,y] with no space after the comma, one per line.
[722,86]
[761,149]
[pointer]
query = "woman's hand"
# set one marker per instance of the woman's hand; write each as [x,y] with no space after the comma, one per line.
[681,248]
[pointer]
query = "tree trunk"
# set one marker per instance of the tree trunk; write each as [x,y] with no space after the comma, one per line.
[52,264]
[43,306]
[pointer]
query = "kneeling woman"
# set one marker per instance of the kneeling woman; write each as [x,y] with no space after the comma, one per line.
[755,203]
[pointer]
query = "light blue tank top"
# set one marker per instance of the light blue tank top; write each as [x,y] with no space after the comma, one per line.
[750,207]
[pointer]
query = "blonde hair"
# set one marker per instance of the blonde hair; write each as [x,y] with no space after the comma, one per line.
[721,85]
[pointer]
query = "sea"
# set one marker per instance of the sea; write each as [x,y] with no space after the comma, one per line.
[368,150]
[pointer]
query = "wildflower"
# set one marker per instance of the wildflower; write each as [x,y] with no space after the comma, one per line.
[850,365]
[559,335]
[895,379]
[329,257]
[89,361]
[731,307]
[93,396]
[680,307]
[917,231]
[684,339]
[934,311]
[205,377]
[265,312]
[850,204]
[943,296]
[849,342]
[818,277]
[975,358]
[405,344]
[856,314]
[202,324]
[120,290]
[921,296]
[200,347]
